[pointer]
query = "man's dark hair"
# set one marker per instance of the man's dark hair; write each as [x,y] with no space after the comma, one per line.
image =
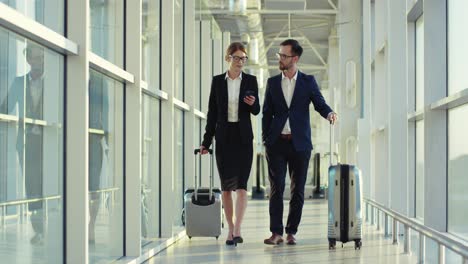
[295,47]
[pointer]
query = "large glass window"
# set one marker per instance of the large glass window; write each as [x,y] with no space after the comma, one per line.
[31,151]
[457,41]
[420,169]
[178,168]
[179,49]
[150,178]
[105,168]
[198,68]
[50,13]
[420,63]
[107,29]
[457,175]
[150,43]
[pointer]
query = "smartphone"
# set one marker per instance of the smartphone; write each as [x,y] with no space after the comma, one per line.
[249,93]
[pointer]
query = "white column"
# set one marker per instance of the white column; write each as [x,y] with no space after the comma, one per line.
[207,74]
[363,127]
[191,122]
[133,132]
[379,123]
[349,52]
[77,135]
[226,42]
[435,126]
[397,114]
[167,118]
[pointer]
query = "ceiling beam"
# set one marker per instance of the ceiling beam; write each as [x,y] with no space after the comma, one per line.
[323,45]
[332,4]
[300,66]
[313,47]
[268,12]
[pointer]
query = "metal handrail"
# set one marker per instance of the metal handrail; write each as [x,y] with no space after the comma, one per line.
[25,201]
[105,190]
[442,239]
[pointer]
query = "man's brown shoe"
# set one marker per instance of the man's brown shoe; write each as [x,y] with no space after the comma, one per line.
[290,239]
[275,239]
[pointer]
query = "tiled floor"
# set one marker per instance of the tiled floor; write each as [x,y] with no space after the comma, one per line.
[312,244]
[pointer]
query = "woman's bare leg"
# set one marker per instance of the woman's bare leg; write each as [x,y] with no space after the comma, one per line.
[228,212]
[241,205]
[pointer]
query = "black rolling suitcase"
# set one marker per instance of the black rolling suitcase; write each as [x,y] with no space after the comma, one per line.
[344,203]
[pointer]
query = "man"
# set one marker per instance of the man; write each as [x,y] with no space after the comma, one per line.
[286,136]
[25,99]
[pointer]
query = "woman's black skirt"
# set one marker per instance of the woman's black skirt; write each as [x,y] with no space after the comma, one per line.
[234,159]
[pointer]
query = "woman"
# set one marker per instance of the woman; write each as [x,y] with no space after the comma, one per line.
[233,97]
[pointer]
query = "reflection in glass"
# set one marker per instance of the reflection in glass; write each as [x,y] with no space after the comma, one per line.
[420,169]
[179,49]
[197,68]
[457,41]
[457,177]
[105,168]
[178,168]
[31,151]
[150,43]
[150,178]
[49,13]
[107,30]
[420,63]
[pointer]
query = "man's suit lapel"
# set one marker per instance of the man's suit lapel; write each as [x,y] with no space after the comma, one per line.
[280,91]
[298,88]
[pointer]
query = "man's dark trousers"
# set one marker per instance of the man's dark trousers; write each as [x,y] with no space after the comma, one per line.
[281,156]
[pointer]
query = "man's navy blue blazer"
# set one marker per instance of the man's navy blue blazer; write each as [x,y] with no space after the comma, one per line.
[276,111]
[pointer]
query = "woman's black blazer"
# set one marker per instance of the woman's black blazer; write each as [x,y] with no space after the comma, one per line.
[218,105]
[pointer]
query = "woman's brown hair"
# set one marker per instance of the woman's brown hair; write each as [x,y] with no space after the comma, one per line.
[233,47]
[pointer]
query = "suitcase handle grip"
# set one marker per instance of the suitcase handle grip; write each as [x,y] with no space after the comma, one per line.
[197,150]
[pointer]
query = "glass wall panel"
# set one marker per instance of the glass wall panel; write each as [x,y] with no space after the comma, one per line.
[457,41]
[420,63]
[178,168]
[150,43]
[49,13]
[150,177]
[457,173]
[197,68]
[420,169]
[107,34]
[31,151]
[179,49]
[105,168]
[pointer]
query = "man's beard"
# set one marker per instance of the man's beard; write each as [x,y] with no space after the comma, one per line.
[283,67]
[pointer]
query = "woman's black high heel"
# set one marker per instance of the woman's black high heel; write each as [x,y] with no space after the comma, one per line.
[238,239]
[231,242]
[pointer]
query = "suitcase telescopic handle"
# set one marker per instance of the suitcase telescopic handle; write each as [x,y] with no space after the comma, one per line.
[332,153]
[196,152]
[331,143]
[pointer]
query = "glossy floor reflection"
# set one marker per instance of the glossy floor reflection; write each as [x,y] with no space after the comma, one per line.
[312,244]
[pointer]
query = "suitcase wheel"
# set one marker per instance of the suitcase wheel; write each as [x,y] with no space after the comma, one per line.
[357,244]
[331,244]
[190,237]
[217,237]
